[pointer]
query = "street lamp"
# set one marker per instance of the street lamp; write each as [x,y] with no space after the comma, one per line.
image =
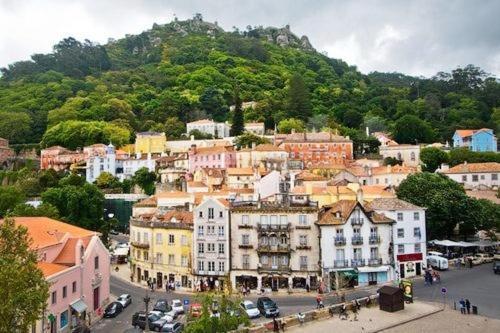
[147,299]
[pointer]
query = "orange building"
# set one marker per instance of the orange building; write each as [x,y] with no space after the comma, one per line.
[316,149]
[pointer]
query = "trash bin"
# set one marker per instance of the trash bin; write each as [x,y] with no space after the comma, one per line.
[474,309]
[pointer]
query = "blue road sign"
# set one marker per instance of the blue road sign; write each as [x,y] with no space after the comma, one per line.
[443,290]
[186,301]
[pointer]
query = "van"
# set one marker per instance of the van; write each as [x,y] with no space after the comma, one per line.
[435,253]
[437,262]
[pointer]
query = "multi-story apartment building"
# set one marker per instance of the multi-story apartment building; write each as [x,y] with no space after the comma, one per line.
[408,234]
[267,156]
[221,157]
[386,175]
[274,243]
[161,246]
[409,154]
[255,128]
[207,126]
[475,139]
[316,149]
[150,143]
[211,253]
[355,245]
[475,175]
[237,178]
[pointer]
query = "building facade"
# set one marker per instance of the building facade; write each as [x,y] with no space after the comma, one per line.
[59,158]
[274,243]
[476,140]
[475,175]
[207,126]
[355,245]
[220,157]
[409,154]
[255,128]
[408,236]
[161,246]
[5,151]
[150,143]
[211,252]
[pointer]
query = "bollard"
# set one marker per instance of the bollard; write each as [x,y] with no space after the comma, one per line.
[474,309]
[454,305]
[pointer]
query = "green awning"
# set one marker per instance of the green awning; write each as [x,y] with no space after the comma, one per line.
[349,274]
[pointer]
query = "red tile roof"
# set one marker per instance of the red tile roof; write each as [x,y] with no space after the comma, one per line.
[49,269]
[474,167]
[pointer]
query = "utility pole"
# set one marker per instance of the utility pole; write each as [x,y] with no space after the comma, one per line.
[147,299]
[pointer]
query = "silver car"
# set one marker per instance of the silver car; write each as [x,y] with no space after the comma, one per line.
[125,300]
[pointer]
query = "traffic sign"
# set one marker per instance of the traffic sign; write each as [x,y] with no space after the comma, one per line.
[443,290]
[186,301]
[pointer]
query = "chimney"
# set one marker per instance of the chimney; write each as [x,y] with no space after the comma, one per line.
[359,195]
[254,144]
[192,137]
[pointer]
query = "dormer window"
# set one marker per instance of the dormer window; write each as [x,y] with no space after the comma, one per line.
[337,214]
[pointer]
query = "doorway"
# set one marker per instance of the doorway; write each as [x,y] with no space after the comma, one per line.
[96,299]
[159,280]
[418,268]
[401,271]
[372,279]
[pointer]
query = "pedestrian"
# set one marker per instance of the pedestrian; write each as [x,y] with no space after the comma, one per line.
[343,312]
[462,306]
[308,288]
[301,317]
[467,305]
[318,301]
[282,324]
[275,325]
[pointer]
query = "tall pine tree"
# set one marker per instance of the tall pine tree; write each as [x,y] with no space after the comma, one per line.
[238,126]
[298,101]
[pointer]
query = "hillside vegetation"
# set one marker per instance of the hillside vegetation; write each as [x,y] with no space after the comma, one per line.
[84,93]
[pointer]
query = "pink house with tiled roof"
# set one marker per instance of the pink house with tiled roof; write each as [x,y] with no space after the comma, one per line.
[77,265]
[220,157]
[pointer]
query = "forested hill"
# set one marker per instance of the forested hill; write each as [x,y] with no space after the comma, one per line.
[84,93]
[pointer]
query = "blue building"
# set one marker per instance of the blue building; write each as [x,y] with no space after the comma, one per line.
[476,140]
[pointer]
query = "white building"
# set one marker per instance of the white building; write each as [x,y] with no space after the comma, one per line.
[211,251]
[274,244]
[255,128]
[99,158]
[131,165]
[207,126]
[408,234]
[409,154]
[355,245]
[474,175]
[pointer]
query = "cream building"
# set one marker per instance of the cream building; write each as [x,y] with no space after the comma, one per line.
[409,154]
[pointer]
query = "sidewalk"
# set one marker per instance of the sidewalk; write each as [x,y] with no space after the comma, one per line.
[371,319]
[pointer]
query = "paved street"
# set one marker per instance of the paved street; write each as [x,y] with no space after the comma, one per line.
[479,284]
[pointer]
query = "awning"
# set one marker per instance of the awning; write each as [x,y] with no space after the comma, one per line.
[79,306]
[121,251]
[368,269]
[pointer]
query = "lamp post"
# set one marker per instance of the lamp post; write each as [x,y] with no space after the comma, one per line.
[147,299]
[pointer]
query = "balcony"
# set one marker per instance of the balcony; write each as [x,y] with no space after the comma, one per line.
[303,247]
[374,239]
[303,268]
[303,226]
[140,245]
[374,261]
[274,269]
[245,226]
[357,221]
[273,227]
[339,241]
[340,263]
[357,262]
[274,248]
[357,240]
[245,265]
[245,246]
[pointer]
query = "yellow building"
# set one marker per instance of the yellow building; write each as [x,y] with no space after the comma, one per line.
[161,248]
[150,142]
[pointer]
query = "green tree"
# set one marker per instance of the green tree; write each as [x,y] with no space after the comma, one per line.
[247,139]
[23,288]
[146,180]
[392,161]
[353,118]
[446,202]
[174,128]
[213,103]
[107,181]
[413,130]
[10,196]
[461,155]
[298,100]
[198,135]
[44,209]
[432,158]
[15,126]
[238,125]
[292,124]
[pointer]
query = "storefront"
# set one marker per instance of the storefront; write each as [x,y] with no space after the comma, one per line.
[409,265]
[372,275]
[246,281]
[78,313]
[341,279]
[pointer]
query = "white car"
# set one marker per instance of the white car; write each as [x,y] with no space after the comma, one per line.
[250,309]
[177,306]
[124,300]
[166,317]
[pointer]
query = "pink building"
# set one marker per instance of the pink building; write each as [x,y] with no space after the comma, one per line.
[77,264]
[220,157]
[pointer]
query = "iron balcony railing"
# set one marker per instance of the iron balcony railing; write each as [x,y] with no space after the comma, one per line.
[374,239]
[340,240]
[357,240]
[274,268]
[340,263]
[274,248]
[374,261]
[357,262]
[357,221]
[273,227]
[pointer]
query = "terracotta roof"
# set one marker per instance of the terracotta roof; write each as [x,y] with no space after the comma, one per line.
[214,149]
[376,189]
[299,190]
[148,202]
[465,133]
[47,232]
[67,254]
[484,194]
[201,121]
[392,204]
[474,167]
[309,176]
[181,216]
[339,213]
[268,147]
[335,190]
[224,202]
[239,171]
[196,184]
[314,137]
[172,194]
[49,269]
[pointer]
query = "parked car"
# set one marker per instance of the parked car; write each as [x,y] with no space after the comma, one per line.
[437,262]
[139,319]
[195,310]
[125,300]
[267,307]
[496,256]
[160,322]
[113,309]
[173,328]
[250,309]
[163,306]
[496,266]
[177,306]
[484,257]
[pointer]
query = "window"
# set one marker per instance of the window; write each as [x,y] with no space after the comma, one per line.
[146,237]
[245,239]
[221,248]
[221,231]
[373,253]
[210,213]
[245,260]
[96,262]
[416,232]
[54,297]
[221,266]
[211,266]
[283,220]
[201,248]
[200,231]
[210,247]
[159,258]
[200,214]
[303,240]
[302,219]
[357,232]
[418,248]
[482,177]
[412,156]
[303,261]
[475,178]
[159,239]
[401,249]
[263,219]
[400,216]
[146,256]
[63,321]
[494,176]
[274,219]
[201,265]
[184,261]
[464,178]
[264,260]
[401,233]
[171,259]
[65,292]
[340,254]
[339,232]
[184,240]
[244,219]
[357,254]
[73,287]
[221,214]
[171,239]
[416,216]
[211,230]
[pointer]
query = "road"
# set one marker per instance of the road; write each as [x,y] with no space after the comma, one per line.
[479,284]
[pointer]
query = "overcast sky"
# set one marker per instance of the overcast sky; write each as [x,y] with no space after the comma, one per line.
[416,37]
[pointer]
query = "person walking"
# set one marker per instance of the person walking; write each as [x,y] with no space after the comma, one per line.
[308,288]
[462,306]
[276,327]
[467,305]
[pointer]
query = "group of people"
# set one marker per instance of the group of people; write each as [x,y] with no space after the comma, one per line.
[431,276]
[278,325]
[464,306]
[245,290]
